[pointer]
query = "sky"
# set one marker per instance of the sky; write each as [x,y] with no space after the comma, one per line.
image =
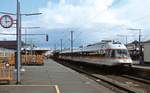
[91,20]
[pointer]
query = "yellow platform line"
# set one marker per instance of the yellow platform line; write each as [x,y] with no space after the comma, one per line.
[57,89]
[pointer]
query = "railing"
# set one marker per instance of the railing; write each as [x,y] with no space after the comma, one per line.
[5,72]
[28,59]
[32,59]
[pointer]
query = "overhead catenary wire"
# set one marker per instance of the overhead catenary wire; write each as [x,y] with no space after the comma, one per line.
[21,34]
[124,25]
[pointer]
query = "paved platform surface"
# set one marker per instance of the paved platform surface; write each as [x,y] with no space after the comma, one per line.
[136,64]
[142,67]
[53,78]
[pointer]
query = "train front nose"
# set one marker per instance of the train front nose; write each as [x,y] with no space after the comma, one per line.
[125,62]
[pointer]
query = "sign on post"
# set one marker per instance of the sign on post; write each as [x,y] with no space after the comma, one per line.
[6,21]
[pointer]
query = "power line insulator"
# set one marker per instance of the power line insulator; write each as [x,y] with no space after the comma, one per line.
[46,37]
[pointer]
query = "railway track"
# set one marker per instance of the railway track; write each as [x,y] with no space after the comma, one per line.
[137,79]
[118,83]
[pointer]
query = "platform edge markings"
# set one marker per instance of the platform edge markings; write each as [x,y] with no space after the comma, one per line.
[55,86]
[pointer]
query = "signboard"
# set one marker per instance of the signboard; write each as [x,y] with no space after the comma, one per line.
[6,21]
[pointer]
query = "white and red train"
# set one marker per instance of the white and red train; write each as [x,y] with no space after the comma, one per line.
[106,52]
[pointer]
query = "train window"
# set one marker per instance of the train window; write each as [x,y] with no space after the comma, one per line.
[102,52]
[118,53]
[122,53]
[108,53]
[113,53]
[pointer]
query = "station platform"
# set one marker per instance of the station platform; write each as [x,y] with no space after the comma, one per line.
[145,66]
[53,78]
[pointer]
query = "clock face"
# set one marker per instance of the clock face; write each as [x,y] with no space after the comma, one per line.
[6,21]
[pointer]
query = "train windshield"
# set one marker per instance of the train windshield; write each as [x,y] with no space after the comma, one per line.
[120,53]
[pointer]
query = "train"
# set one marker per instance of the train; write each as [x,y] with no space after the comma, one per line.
[106,52]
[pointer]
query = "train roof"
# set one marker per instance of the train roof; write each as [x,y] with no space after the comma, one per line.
[104,44]
[69,50]
[116,46]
